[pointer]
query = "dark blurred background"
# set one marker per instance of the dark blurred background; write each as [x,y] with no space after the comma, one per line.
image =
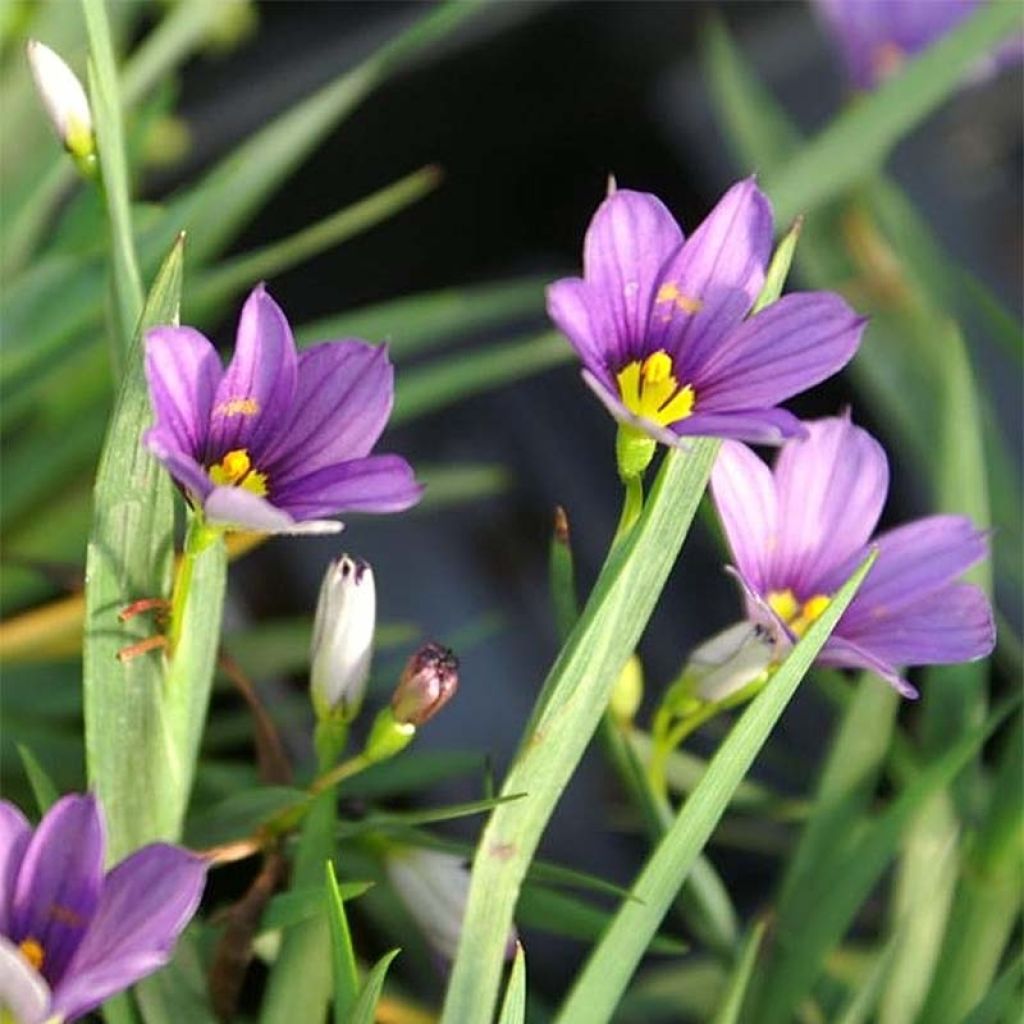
[527,112]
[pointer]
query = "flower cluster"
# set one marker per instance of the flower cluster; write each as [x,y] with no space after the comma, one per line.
[72,936]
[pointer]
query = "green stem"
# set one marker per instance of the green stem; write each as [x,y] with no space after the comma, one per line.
[198,538]
[632,506]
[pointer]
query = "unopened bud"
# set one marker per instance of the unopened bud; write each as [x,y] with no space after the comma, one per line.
[65,101]
[428,681]
[343,639]
[628,691]
[731,660]
[434,888]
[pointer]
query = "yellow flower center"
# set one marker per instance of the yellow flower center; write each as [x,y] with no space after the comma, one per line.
[235,470]
[32,951]
[650,389]
[799,617]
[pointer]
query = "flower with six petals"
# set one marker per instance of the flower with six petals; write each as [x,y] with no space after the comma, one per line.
[798,532]
[280,439]
[661,322]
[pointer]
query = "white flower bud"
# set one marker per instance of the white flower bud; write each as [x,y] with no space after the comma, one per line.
[434,887]
[731,660]
[65,100]
[343,639]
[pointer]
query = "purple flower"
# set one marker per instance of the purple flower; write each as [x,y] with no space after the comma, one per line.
[72,936]
[877,37]
[279,439]
[797,533]
[662,324]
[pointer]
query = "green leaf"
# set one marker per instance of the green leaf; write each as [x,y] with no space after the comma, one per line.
[513,1007]
[128,558]
[289,908]
[365,1011]
[1002,1002]
[736,988]
[559,913]
[579,685]
[426,816]
[460,483]
[416,323]
[859,140]
[343,961]
[424,389]
[836,895]
[778,269]
[105,100]
[863,1000]
[599,987]
[561,576]
[241,814]
[219,284]
[43,789]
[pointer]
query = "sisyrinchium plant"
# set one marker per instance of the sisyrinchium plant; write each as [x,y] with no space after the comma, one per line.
[197,816]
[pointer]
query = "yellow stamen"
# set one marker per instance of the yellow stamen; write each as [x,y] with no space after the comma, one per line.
[235,470]
[651,390]
[799,617]
[238,407]
[32,951]
[669,292]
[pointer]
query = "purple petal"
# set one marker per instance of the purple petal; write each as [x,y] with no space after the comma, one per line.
[913,561]
[342,403]
[950,625]
[722,267]
[743,489]
[378,483]
[24,994]
[183,371]
[760,612]
[58,885]
[842,653]
[628,242]
[787,348]
[756,426]
[831,490]
[15,833]
[585,319]
[178,463]
[147,901]
[239,509]
[255,394]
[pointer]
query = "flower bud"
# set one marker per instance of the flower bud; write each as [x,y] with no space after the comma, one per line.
[434,888]
[731,660]
[628,691]
[428,681]
[65,101]
[343,639]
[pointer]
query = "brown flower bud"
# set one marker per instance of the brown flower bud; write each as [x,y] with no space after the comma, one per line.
[428,681]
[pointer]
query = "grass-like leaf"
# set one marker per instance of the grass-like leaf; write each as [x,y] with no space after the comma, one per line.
[579,685]
[344,971]
[513,1007]
[43,789]
[128,558]
[736,990]
[604,978]
[365,1010]
[105,100]
[858,141]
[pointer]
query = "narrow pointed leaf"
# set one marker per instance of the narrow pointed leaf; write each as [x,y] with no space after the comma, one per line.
[365,1010]
[343,958]
[513,1007]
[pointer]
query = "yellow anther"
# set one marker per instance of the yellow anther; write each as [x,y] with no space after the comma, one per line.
[235,470]
[798,617]
[669,292]
[650,389]
[238,407]
[32,951]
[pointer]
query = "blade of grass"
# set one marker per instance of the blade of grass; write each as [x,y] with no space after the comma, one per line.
[345,973]
[600,985]
[859,140]
[424,389]
[513,1007]
[129,557]
[221,283]
[736,989]
[43,789]
[365,1011]
[105,99]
